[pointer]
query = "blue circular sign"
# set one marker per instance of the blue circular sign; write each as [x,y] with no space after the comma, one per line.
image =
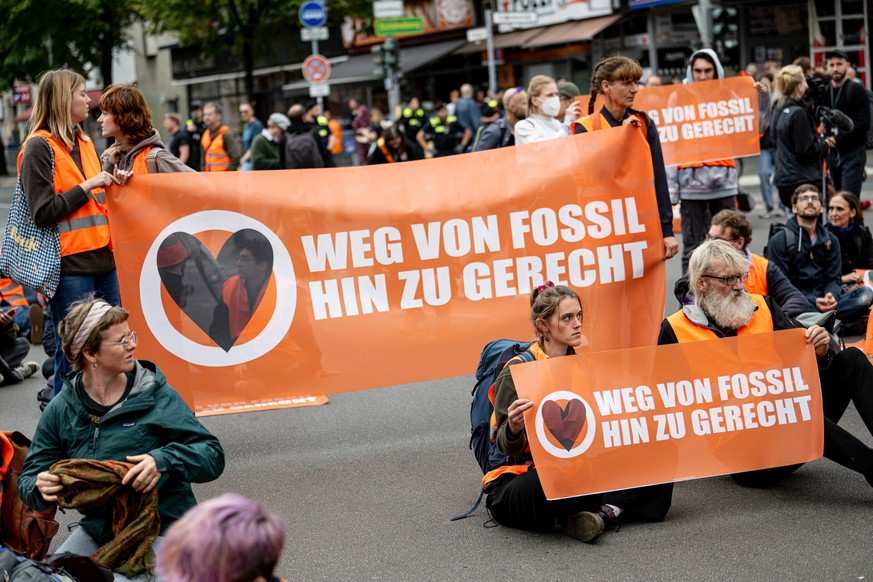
[312,14]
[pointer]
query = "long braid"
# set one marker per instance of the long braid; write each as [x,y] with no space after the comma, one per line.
[595,84]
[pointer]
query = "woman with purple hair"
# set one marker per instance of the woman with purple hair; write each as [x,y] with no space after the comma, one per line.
[227,539]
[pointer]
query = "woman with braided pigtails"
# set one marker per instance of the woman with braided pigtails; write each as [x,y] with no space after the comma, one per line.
[617,79]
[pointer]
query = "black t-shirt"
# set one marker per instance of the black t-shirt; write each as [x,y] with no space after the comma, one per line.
[94,409]
[180,138]
[194,138]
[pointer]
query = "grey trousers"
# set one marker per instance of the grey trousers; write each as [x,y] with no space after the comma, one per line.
[82,544]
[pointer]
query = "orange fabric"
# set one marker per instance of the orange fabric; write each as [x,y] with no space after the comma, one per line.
[756,284]
[337,131]
[868,341]
[686,331]
[140,162]
[7,451]
[730,163]
[215,157]
[12,292]
[355,272]
[621,419]
[383,147]
[87,228]
[236,298]
[597,121]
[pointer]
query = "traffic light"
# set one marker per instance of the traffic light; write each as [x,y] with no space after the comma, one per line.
[391,53]
[378,66]
[725,29]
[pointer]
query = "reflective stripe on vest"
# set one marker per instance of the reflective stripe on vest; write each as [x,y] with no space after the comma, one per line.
[87,228]
[12,292]
[757,281]
[687,331]
[215,157]
[383,147]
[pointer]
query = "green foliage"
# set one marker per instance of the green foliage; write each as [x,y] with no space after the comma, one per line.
[77,34]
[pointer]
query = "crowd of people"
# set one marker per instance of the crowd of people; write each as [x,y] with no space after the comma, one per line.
[115,424]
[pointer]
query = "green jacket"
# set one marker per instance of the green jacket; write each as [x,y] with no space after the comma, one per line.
[153,419]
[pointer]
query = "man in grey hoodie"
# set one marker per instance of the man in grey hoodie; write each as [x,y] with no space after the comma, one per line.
[703,189]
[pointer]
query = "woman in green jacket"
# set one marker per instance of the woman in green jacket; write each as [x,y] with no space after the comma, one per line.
[116,408]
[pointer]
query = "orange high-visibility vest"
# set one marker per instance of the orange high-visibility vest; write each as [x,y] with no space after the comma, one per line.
[731,163]
[140,162]
[383,147]
[337,131]
[756,284]
[86,229]
[597,121]
[688,331]
[215,157]
[493,474]
[12,292]
[7,451]
[236,298]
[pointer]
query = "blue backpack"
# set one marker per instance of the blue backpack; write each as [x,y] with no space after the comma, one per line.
[494,357]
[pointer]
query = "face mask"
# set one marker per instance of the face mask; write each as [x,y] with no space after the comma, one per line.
[550,106]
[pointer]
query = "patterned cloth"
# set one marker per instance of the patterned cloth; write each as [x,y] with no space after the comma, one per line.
[89,483]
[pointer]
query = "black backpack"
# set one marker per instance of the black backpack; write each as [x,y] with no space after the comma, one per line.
[302,151]
[16,568]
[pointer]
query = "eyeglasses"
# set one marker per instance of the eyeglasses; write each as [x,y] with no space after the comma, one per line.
[731,280]
[123,342]
[809,198]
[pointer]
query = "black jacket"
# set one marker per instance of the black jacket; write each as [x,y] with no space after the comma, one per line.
[799,151]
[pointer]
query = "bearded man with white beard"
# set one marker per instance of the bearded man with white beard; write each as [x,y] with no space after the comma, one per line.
[722,308]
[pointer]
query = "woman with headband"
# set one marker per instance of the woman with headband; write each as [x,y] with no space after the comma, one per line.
[116,408]
[515,494]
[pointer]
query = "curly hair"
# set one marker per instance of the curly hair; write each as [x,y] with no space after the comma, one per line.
[127,105]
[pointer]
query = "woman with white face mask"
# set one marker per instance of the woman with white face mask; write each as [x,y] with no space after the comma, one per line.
[543,104]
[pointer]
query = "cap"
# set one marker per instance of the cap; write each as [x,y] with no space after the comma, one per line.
[837,53]
[568,90]
[279,120]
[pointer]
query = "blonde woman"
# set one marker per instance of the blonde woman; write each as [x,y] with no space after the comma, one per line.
[63,181]
[543,104]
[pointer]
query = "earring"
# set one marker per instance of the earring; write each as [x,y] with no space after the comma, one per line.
[94,365]
[548,337]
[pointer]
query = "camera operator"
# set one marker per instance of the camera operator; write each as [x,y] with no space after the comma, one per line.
[847,162]
[799,150]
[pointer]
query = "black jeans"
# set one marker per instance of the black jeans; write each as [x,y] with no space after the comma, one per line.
[849,173]
[12,357]
[849,378]
[696,215]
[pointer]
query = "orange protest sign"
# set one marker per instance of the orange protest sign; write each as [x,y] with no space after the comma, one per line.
[252,289]
[628,418]
[704,121]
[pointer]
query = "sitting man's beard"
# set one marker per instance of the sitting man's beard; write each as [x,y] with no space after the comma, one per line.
[731,312]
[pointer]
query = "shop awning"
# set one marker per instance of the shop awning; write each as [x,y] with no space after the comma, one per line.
[359,68]
[575,31]
[516,38]
[94,94]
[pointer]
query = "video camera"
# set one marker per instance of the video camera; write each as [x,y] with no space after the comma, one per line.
[830,119]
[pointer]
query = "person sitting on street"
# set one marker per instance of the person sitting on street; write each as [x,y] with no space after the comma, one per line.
[723,308]
[13,350]
[391,147]
[809,255]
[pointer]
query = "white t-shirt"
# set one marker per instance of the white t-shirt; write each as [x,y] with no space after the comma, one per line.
[538,128]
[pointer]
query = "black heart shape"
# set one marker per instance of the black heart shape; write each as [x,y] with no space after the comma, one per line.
[220,294]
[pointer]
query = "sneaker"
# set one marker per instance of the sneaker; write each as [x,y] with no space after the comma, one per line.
[585,526]
[28,369]
[769,214]
[37,324]
[780,213]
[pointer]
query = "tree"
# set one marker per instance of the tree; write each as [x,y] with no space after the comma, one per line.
[246,27]
[49,34]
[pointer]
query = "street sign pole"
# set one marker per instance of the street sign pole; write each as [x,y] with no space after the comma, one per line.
[319,99]
[313,14]
[489,45]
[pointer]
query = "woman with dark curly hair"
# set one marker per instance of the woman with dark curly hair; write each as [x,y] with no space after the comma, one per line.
[126,117]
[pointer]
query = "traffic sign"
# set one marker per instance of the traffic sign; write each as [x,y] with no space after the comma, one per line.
[316,69]
[387,8]
[515,18]
[319,33]
[320,90]
[477,34]
[391,26]
[312,14]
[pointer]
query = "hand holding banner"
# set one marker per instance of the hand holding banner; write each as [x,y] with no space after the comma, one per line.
[620,419]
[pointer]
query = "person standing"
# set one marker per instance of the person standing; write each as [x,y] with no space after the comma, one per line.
[413,119]
[220,149]
[846,163]
[449,137]
[195,128]
[252,127]
[501,133]
[268,149]
[618,79]
[180,144]
[767,162]
[543,104]
[467,110]
[63,182]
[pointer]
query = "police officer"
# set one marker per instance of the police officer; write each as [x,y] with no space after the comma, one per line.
[412,121]
[319,124]
[449,137]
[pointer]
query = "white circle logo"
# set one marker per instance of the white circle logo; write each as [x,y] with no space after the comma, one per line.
[214,356]
[589,426]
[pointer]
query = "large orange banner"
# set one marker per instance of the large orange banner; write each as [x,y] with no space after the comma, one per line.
[704,121]
[620,419]
[255,289]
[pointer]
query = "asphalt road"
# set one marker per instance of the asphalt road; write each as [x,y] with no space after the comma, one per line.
[367,484]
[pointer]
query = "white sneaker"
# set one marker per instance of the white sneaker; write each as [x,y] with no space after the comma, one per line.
[28,369]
